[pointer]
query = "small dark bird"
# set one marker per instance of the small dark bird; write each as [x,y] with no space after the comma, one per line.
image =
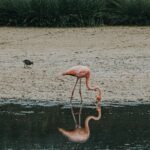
[27,63]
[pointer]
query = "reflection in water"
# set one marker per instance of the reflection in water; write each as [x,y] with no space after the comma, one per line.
[36,128]
[81,134]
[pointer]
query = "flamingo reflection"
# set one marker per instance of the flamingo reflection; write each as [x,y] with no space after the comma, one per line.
[81,134]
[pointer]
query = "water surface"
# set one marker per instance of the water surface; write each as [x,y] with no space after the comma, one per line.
[36,127]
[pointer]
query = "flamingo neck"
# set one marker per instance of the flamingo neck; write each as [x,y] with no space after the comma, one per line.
[86,125]
[99,95]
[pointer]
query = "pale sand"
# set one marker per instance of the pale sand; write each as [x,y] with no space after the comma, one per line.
[119,58]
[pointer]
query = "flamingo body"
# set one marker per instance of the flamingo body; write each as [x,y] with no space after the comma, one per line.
[77,135]
[78,71]
[82,72]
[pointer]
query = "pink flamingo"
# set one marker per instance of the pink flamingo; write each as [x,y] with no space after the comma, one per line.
[81,134]
[82,72]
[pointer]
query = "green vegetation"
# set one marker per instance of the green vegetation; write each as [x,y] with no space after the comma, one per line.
[61,13]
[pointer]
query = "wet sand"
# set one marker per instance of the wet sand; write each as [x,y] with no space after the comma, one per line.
[119,58]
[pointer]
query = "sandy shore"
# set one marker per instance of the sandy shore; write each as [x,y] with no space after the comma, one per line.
[119,58]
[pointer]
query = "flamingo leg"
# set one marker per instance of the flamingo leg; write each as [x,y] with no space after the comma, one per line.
[73,90]
[80,92]
[80,112]
[74,118]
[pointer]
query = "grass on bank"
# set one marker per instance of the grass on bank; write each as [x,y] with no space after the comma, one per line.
[74,13]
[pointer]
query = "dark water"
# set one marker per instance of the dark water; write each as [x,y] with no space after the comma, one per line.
[25,128]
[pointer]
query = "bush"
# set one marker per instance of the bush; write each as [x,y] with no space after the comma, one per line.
[61,13]
[128,12]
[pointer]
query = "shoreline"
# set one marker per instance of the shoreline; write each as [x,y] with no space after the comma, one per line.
[64,104]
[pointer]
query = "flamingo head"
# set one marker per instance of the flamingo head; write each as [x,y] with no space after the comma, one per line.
[98,98]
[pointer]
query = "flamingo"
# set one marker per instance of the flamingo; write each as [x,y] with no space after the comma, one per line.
[82,72]
[81,134]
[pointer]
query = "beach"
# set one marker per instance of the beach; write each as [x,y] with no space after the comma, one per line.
[118,57]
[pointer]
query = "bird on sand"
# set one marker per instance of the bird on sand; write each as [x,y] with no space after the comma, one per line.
[82,72]
[27,63]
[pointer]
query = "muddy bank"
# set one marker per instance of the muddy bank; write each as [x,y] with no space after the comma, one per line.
[119,58]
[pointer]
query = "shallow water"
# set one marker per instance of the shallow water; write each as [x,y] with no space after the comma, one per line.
[36,127]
